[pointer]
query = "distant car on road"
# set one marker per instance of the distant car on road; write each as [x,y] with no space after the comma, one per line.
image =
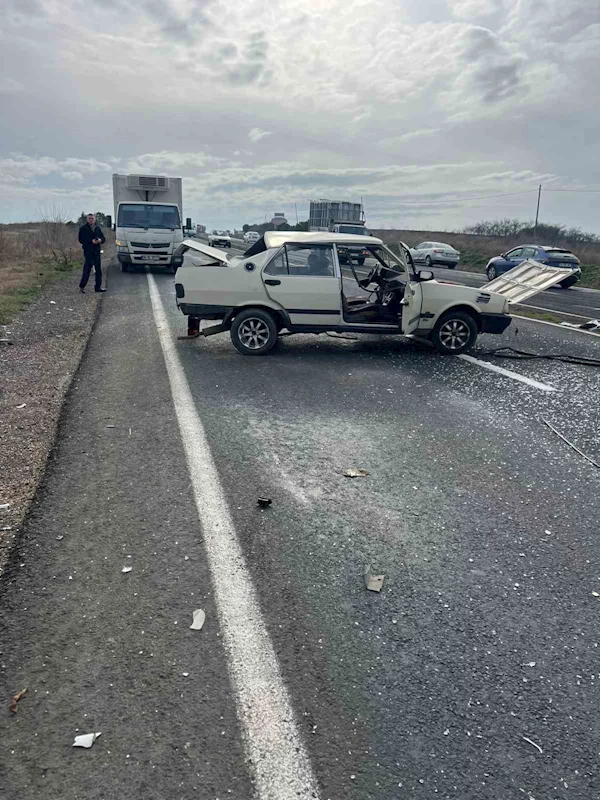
[251,236]
[432,253]
[219,238]
[551,256]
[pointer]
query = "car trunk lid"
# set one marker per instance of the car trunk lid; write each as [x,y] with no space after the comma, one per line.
[218,255]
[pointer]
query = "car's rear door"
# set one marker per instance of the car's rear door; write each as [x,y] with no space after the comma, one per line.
[304,280]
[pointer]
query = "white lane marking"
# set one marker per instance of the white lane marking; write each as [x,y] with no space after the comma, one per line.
[508,373]
[282,770]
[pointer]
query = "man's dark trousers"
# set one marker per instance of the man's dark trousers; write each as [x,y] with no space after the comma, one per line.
[92,259]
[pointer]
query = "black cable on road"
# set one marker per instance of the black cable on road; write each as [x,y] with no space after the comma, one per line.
[525,355]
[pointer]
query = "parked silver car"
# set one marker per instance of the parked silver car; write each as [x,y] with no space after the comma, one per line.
[432,253]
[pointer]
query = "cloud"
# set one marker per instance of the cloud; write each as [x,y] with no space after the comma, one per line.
[72,176]
[409,103]
[255,134]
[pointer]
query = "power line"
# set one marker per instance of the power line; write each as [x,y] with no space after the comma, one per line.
[572,190]
[467,199]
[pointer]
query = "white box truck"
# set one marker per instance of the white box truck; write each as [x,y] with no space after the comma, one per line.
[148,220]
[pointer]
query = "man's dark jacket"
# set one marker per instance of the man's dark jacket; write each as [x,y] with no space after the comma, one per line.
[86,234]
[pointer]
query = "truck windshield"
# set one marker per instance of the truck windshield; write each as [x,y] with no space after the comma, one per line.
[148,215]
[356,230]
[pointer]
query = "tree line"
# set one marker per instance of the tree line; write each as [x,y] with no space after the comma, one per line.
[548,232]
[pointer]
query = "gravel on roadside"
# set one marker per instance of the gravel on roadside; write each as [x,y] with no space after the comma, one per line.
[48,341]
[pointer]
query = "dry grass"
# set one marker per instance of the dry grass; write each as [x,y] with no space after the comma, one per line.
[33,255]
[476,251]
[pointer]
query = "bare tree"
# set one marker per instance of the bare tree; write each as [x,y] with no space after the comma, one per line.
[56,237]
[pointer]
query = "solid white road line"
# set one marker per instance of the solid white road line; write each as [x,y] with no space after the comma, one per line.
[275,750]
[514,375]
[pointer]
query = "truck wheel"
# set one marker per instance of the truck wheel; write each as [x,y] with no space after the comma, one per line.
[124,267]
[254,332]
[454,333]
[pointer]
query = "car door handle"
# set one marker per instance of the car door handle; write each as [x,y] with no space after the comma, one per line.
[271,282]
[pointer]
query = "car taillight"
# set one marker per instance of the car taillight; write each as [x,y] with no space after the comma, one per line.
[438,251]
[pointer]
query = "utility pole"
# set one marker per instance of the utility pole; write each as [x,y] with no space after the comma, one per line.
[537,213]
[296,207]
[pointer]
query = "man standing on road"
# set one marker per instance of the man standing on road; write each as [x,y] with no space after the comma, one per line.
[90,238]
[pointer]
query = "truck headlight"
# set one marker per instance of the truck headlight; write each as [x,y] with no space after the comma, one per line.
[120,243]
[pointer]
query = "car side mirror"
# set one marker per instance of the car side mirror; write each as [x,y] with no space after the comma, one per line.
[425,275]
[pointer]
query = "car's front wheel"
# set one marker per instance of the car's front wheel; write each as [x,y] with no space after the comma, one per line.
[254,332]
[566,284]
[455,332]
[492,272]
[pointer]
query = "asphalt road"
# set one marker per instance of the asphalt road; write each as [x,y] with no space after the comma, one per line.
[472,676]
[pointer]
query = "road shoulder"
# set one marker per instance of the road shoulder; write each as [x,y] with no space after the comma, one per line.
[47,343]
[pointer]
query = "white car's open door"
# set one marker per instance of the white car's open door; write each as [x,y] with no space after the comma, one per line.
[525,280]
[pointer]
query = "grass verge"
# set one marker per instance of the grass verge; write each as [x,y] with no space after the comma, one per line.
[27,282]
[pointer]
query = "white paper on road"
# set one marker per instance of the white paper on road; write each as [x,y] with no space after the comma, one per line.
[86,739]
[198,619]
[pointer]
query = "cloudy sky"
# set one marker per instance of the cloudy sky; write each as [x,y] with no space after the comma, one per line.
[425,108]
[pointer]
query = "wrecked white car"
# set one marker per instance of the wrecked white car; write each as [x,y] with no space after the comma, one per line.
[294,282]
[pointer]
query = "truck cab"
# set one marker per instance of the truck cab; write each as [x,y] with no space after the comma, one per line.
[347,255]
[148,220]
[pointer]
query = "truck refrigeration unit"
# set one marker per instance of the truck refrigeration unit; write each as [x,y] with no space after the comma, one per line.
[148,222]
[340,216]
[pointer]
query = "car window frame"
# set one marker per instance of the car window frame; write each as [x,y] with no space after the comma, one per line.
[511,253]
[302,246]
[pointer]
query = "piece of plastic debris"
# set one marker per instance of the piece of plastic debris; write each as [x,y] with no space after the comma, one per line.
[355,473]
[5,341]
[533,743]
[264,502]
[4,505]
[185,674]
[22,405]
[6,528]
[110,426]
[86,739]
[374,583]
[529,664]
[595,594]
[59,537]
[19,696]
[199,616]
[52,302]
[126,569]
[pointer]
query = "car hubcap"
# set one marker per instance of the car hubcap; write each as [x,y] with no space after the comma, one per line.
[254,333]
[454,334]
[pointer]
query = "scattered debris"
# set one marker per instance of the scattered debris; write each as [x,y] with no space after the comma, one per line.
[533,743]
[264,502]
[6,528]
[130,431]
[185,674]
[110,426]
[577,450]
[4,505]
[59,537]
[374,583]
[52,302]
[529,664]
[22,405]
[590,325]
[5,341]
[19,696]
[86,739]
[199,616]
[355,473]
[126,569]
[595,594]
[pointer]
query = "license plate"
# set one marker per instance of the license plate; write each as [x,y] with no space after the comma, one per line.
[566,264]
[153,258]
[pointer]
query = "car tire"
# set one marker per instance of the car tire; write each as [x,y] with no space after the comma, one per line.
[360,261]
[566,284]
[491,272]
[451,266]
[455,332]
[254,332]
[429,262]
[124,267]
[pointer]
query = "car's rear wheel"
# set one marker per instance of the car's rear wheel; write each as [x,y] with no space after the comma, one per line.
[360,261]
[492,272]
[455,332]
[254,332]
[451,266]
[428,261]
